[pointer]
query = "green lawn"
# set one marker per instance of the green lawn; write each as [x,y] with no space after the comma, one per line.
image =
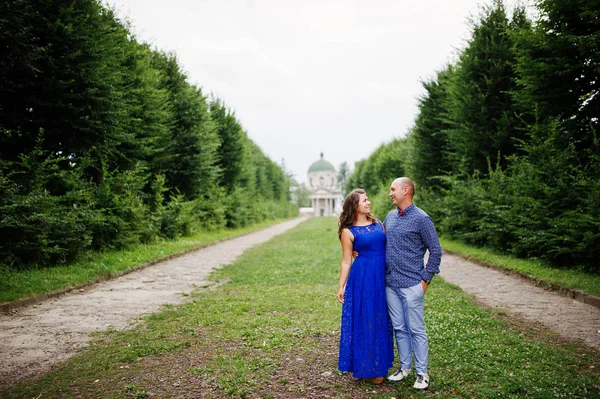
[16,284]
[551,276]
[271,331]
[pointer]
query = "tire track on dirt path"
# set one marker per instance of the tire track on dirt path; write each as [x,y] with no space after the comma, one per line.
[571,319]
[35,337]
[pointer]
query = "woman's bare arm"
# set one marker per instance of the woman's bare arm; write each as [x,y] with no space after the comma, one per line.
[347,240]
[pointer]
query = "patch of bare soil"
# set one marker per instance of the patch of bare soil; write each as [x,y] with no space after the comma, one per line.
[301,374]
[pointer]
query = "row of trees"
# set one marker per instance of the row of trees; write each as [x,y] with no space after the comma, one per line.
[505,148]
[104,142]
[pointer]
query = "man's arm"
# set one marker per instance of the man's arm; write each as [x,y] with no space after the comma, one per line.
[432,243]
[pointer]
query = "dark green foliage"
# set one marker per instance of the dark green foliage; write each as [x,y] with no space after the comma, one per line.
[543,201]
[560,209]
[505,149]
[481,110]
[146,115]
[104,143]
[38,226]
[124,217]
[559,67]
[70,88]
[231,144]
[431,150]
[256,188]
[548,212]
[189,155]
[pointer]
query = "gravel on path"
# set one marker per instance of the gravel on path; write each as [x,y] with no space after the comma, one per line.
[571,319]
[35,337]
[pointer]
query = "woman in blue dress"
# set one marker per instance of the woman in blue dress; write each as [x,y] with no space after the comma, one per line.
[366,346]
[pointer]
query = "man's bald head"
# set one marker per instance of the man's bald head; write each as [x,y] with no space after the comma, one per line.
[402,182]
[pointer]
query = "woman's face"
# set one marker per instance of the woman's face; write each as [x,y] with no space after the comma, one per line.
[364,205]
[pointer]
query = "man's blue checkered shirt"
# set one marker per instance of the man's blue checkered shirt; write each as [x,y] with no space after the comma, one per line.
[408,237]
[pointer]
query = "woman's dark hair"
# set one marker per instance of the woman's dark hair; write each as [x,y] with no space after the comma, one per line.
[350,211]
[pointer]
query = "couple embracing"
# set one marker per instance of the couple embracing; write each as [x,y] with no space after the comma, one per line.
[384,289]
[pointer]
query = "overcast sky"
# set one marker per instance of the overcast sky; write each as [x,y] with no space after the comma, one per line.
[309,76]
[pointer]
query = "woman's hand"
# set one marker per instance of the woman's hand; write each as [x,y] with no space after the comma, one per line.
[340,295]
[347,240]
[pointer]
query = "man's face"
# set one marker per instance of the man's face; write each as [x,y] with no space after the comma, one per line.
[397,193]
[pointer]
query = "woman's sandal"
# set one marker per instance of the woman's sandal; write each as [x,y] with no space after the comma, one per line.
[376,380]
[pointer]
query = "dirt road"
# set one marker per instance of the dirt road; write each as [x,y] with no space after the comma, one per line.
[571,319]
[35,337]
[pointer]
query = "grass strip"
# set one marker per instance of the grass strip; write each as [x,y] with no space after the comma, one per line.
[549,276]
[18,284]
[272,331]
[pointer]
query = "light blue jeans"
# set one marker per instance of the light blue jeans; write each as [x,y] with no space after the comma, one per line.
[405,308]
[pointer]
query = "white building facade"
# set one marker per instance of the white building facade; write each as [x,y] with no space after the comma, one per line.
[325,190]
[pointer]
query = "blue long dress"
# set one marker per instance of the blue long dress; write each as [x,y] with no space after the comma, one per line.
[366,346]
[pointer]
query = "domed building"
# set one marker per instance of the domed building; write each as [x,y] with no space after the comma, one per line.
[325,191]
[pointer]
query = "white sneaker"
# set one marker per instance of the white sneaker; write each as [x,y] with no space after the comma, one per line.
[422,382]
[399,375]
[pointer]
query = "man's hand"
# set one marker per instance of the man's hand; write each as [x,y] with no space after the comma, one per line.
[424,284]
[354,254]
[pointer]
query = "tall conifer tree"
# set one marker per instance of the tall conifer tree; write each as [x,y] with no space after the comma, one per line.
[484,125]
[430,156]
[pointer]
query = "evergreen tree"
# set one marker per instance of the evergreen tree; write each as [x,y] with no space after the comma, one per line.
[147,117]
[430,158]
[484,127]
[231,144]
[189,161]
[104,143]
[389,162]
[559,77]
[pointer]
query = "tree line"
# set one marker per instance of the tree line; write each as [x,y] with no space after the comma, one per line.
[104,143]
[505,149]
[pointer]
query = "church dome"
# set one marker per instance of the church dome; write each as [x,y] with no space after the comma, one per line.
[321,166]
